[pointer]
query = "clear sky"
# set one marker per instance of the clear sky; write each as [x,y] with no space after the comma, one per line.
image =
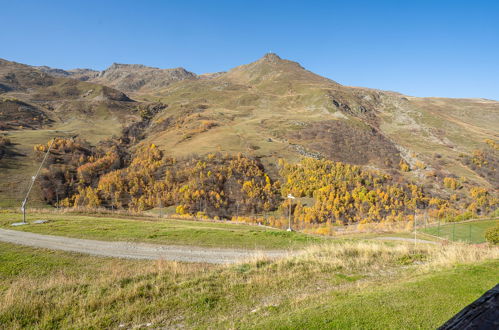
[416,47]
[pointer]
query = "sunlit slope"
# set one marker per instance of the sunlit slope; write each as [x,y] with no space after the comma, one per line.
[254,108]
[274,108]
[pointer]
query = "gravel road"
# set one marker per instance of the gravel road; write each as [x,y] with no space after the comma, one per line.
[135,250]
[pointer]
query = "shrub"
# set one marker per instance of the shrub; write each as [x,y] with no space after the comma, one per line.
[492,235]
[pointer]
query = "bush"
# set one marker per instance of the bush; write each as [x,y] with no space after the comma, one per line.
[492,235]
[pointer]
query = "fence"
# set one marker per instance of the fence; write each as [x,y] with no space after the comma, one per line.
[470,231]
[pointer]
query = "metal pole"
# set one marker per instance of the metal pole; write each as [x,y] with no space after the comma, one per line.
[415,241]
[469,240]
[453,231]
[290,198]
[33,178]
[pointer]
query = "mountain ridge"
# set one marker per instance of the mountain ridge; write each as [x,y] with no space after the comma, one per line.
[89,74]
[126,77]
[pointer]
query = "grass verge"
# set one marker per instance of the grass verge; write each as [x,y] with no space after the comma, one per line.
[420,302]
[161,231]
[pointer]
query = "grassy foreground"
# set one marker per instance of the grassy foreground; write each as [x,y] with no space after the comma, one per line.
[470,232]
[337,285]
[161,231]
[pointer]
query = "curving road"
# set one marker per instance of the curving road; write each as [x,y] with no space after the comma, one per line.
[136,250]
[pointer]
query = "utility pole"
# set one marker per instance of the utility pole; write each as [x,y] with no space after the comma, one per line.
[33,178]
[425,219]
[290,197]
[415,230]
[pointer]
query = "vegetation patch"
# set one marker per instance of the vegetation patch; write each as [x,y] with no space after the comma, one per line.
[354,143]
[492,235]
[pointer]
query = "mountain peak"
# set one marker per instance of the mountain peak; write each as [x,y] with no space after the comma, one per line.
[271,57]
[272,67]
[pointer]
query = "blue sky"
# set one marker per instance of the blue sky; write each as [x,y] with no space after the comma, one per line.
[421,48]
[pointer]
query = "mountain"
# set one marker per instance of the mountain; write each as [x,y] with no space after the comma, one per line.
[80,74]
[32,98]
[125,77]
[270,109]
[137,77]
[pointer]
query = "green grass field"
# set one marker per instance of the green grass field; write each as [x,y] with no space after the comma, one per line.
[161,231]
[421,302]
[347,285]
[470,232]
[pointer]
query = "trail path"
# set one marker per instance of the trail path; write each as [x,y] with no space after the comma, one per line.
[135,250]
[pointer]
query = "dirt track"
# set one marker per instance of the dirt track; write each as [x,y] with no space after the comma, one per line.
[135,250]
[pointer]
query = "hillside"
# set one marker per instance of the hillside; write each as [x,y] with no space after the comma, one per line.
[270,109]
